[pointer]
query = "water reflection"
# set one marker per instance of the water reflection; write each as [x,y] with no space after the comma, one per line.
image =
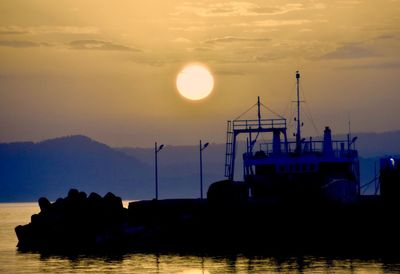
[12,261]
[204,264]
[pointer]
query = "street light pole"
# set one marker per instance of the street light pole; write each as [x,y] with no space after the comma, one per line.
[201,147]
[156,150]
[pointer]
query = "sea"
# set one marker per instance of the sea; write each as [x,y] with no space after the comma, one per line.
[13,261]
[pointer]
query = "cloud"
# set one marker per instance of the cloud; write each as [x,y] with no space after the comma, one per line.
[216,9]
[99,45]
[201,49]
[20,30]
[277,23]
[350,51]
[387,37]
[189,28]
[266,58]
[384,65]
[65,29]
[348,2]
[278,10]
[233,39]
[12,32]
[238,8]
[182,40]
[18,44]
[230,73]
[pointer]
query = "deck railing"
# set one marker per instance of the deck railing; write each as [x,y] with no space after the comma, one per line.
[255,124]
[340,148]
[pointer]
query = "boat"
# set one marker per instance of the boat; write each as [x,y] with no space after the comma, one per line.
[299,169]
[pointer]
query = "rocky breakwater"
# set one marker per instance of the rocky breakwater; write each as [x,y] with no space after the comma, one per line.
[75,223]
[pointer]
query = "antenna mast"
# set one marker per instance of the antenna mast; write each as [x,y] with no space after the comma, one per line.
[298,134]
[259,112]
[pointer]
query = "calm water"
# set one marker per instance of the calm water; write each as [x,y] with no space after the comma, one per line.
[12,261]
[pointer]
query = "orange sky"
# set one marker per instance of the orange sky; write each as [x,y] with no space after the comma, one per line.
[107,69]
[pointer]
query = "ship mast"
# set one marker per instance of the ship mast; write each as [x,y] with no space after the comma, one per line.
[298,134]
[259,112]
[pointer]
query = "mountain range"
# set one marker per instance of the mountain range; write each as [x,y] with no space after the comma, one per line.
[50,168]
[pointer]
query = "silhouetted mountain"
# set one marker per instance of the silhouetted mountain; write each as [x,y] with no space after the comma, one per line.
[377,144]
[51,167]
[179,168]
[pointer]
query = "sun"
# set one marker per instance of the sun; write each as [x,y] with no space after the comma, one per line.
[195,82]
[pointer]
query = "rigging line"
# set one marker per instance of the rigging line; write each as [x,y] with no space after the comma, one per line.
[309,116]
[290,100]
[370,182]
[291,110]
[237,118]
[272,111]
[365,186]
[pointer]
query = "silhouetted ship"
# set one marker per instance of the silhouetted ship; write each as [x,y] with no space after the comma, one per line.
[300,169]
[299,196]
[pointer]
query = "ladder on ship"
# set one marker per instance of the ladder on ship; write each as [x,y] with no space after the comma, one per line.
[236,127]
[229,151]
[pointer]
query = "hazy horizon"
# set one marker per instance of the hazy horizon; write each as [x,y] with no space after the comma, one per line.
[195,142]
[107,70]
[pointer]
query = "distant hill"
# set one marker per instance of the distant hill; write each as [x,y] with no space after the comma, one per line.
[377,144]
[50,168]
[179,167]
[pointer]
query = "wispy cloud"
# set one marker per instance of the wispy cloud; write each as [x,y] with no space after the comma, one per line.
[277,23]
[242,9]
[393,36]
[230,73]
[201,49]
[383,65]
[19,30]
[265,58]
[233,39]
[19,44]
[99,45]
[277,10]
[348,2]
[216,9]
[351,51]
[182,40]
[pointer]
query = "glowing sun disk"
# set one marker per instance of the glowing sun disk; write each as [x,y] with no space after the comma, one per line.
[195,82]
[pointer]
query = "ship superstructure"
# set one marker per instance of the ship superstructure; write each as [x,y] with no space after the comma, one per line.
[299,169]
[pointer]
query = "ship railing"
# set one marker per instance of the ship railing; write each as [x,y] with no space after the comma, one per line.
[256,124]
[340,148]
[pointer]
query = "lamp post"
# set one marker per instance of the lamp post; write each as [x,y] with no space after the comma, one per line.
[201,147]
[156,150]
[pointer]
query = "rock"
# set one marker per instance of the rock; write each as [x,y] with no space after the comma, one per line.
[82,195]
[228,191]
[113,202]
[73,194]
[73,223]
[44,204]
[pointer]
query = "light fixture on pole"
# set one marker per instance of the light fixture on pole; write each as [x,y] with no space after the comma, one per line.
[202,147]
[156,150]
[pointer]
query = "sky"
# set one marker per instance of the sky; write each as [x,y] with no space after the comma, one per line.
[107,69]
